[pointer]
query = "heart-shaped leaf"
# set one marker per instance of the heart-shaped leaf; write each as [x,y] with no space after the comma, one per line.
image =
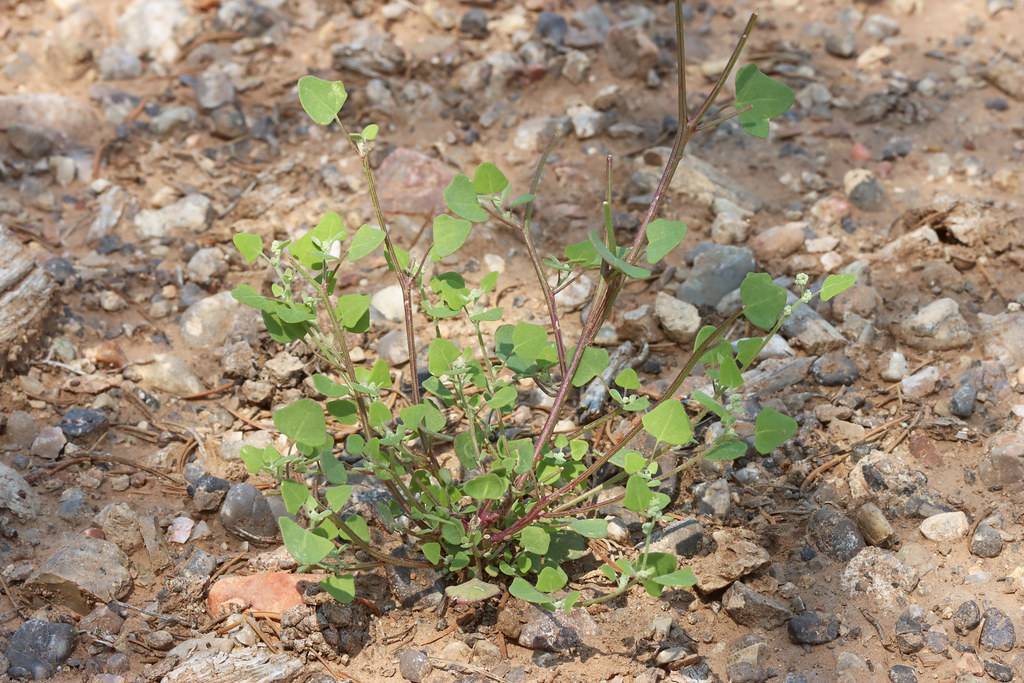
[663,236]
[320,99]
[669,423]
[772,429]
[759,98]
[305,546]
[449,236]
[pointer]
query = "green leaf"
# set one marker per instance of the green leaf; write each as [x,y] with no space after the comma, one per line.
[772,429]
[431,551]
[488,179]
[583,254]
[344,411]
[490,315]
[486,487]
[616,261]
[250,246]
[460,197]
[365,242]
[633,461]
[833,286]
[358,526]
[337,496]
[759,98]
[710,403]
[638,494]
[683,578]
[379,414]
[332,468]
[528,341]
[370,132]
[590,528]
[468,457]
[520,200]
[551,579]
[341,588]
[320,99]
[305,546]
[449,236]
[294,494]
[328,387]
[747,350]
[473,590]
[520,588]
[726,450]
[353,310]
[256,459]
[503,397]
[592,363]
[535,540]
[763,300]
[440,356]
[669,423]
[662,237]
[302,422]
[628,379]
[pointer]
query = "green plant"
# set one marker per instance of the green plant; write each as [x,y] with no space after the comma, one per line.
[515,510]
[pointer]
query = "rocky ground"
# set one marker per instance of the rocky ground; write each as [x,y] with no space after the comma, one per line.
[883,543]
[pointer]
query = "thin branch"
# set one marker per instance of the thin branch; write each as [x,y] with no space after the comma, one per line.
[681,64]
[733,58]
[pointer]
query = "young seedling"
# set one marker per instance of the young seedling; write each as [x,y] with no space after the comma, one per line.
[518,509]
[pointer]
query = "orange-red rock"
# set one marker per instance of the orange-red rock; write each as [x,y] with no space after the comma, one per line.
[266,592]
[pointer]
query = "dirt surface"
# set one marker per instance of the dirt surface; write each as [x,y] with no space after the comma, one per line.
[124,181]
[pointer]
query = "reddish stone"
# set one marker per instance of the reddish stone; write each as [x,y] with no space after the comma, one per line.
[412,182]
[266,592]
[860,153]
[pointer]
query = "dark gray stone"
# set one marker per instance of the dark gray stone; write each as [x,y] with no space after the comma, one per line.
[986,542]
[868,194]
[551,27]
[997,632]
[961,403]
[998,670]
[79,422]
[835,534]
[813,628]
[474,24]
[966,618]
[247,514]
[717,270]
[38,648]
[901,673]
[835,369]
[909,633]
[208,492]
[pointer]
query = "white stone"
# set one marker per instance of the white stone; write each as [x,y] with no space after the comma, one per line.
[679,319]
[945,526]
[388,302]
